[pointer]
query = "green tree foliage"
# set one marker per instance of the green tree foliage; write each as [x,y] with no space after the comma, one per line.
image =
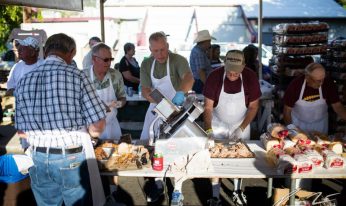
[10,17]
[342,3]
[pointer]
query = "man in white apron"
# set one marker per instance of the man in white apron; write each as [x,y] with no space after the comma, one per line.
[230,118]
[57,110]
[168,72]
[109,87]
[307,98]
[306,103]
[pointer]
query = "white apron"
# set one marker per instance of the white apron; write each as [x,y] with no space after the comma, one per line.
[230,113]
[107,95]
[98,195]
[166,88]
[311,116]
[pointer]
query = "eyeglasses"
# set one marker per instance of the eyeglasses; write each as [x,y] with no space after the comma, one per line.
[105,59]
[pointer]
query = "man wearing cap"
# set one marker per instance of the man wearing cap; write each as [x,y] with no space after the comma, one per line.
[199,61]
[170,74]
[231,102]
[28,52]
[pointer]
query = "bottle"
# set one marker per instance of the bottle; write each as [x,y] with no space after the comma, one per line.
[158,161]
[139,90]
[177,198]
[130,91]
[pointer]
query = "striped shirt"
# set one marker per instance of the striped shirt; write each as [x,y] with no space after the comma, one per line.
[53,102]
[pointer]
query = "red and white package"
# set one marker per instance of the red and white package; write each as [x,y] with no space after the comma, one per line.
[274,154]
[269,142]
[331,159]
[314,157]
[304,165]
[286,164]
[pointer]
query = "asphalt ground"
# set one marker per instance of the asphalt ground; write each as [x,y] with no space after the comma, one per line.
[131,191]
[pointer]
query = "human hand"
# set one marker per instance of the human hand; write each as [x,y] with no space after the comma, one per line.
[113,104]
[178,98]
[211,137]
[237,134]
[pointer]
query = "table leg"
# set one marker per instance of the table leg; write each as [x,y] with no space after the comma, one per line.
[293,188]
[270,188]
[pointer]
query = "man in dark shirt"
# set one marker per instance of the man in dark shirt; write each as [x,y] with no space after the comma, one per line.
[232,95]
[307,98]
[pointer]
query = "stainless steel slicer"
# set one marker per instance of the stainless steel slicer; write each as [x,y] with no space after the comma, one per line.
[175,131]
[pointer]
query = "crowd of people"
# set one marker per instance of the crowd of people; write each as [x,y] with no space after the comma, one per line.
[59,107]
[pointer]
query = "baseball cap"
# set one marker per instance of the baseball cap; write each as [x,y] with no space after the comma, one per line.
[234,61]
[29,41]
[203,35]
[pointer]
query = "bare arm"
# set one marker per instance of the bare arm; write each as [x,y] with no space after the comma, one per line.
[22,134]
[187,82]
[202,75]
[250,114]
[9,92]
[96,129]
[208,113]
[287,114]
[340,110]
[129,77]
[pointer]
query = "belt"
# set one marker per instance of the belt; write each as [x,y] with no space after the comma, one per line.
[52,150]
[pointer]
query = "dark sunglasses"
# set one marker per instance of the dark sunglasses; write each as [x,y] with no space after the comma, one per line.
[105,59]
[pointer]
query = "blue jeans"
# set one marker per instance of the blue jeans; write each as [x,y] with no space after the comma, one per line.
[57,178]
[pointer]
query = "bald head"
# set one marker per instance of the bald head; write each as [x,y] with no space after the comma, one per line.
[314,75]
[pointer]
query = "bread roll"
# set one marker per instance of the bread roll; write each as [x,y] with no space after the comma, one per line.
[124,148]
[269,142]
[274,154]
[320,138]
[277,130]
[292,151]
[295,134]
[335,147]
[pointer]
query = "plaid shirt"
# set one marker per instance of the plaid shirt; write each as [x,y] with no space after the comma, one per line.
[54,101]
[199,60]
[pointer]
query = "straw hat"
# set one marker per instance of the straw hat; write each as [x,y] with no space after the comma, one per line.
[203,36]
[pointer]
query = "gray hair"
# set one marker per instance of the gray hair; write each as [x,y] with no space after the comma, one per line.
[158,35]
[59,43]
[312,67]
[97,47]
[128,46]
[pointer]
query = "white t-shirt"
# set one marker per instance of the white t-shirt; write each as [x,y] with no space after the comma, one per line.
[87,60]
[18,71]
